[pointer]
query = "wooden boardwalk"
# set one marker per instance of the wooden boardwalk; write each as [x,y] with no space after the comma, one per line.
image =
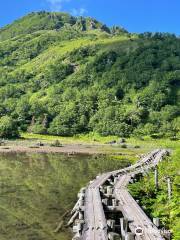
[92,223]
[132,211]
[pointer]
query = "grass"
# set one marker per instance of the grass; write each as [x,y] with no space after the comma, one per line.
[91,138]
[61,49]
[156,202]
[134,146]
[146,143]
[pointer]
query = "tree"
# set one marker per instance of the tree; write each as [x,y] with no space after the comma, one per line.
[110,86]
[8,128]
[176,127]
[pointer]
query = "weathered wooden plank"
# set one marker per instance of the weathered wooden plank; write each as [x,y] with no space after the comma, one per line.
[95,227]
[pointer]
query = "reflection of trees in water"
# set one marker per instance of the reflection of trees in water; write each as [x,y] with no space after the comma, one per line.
[36,190]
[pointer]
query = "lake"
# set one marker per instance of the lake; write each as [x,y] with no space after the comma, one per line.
[36,190]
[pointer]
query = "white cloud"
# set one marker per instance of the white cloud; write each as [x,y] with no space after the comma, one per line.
[56,5]
[79,12]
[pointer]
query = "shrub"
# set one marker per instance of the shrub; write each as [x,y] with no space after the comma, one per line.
[8,128]
[136,146]
[123,146]
[56,143]
[39,129]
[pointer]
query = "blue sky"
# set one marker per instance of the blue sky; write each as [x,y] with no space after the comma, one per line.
[134,15]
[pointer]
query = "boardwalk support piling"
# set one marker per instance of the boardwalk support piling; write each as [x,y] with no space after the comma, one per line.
[129,236]
[169,188]
[156,177]
[73,218]
[111,224]
[113,236]
[124,225]
[156,222]
[109,190]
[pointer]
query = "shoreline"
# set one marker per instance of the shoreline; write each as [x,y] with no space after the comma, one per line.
[70,149]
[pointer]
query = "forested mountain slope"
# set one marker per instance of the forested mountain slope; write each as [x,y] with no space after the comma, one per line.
[63,75]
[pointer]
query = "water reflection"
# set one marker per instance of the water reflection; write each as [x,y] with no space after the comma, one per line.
[37,189]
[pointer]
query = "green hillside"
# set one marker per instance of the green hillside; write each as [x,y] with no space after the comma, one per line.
[63,75]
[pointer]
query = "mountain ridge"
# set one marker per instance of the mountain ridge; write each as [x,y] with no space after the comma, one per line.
[89,78]
[37,21]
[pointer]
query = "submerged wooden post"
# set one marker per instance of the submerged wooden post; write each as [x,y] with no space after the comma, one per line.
[156,177]
[169,188]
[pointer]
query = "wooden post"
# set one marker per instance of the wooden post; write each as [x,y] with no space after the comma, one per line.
[109,190]
[129,236]
[156,177]
[113,236]
[81,215]
[169,188]
[111,224]
[73,218]
[156,222]
[114,203]
[124,225]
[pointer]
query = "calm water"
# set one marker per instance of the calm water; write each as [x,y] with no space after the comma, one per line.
[37,189]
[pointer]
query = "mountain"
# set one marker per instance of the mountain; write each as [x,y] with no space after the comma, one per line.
[40,21]
[64,75]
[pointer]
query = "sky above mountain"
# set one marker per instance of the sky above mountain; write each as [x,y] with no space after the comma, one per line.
[134,15]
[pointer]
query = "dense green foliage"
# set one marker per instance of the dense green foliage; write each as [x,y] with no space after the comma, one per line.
[63,75]
[8,128]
